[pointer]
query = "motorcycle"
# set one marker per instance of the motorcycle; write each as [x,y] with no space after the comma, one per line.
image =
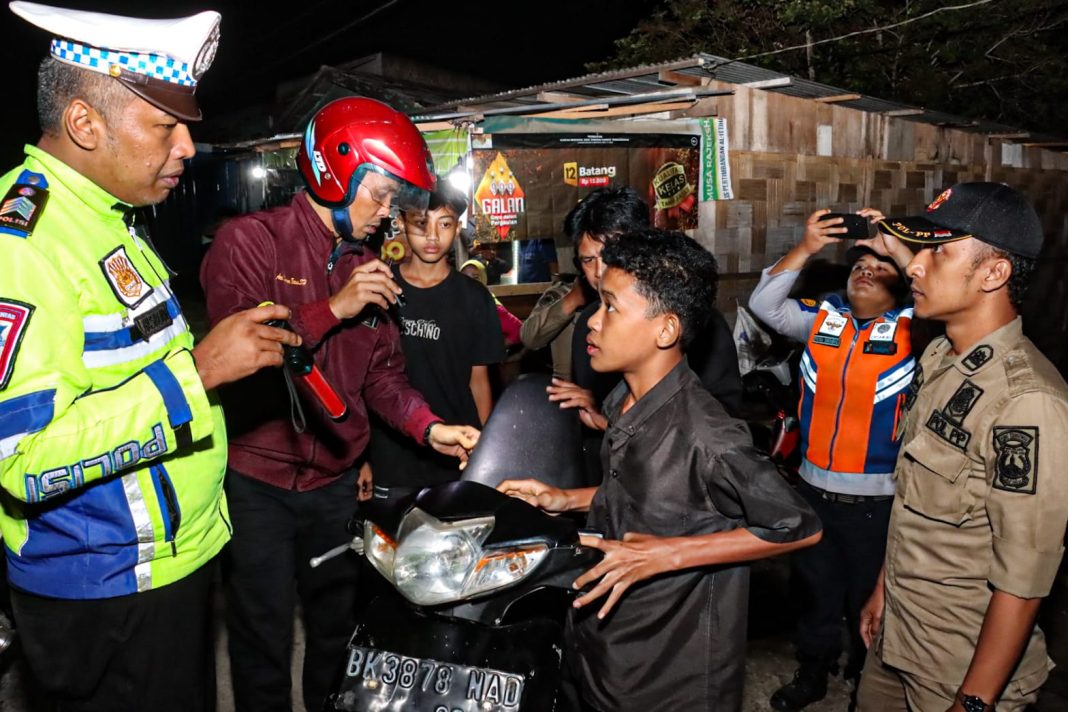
[479,582]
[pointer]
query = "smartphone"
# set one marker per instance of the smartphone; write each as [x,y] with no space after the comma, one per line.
[857,226]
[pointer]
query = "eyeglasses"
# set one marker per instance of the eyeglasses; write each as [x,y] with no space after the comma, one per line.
[382,193]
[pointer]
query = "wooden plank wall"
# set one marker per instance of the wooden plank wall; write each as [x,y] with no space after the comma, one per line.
[890,163]
[775,193]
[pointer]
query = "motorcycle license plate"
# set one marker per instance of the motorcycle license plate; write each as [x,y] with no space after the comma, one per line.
[378,680]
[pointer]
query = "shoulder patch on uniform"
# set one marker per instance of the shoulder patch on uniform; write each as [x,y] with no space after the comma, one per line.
[14,316]
[22,206]
[125,281]
[810,303]
[978,356]
[549,297]
[1016,469]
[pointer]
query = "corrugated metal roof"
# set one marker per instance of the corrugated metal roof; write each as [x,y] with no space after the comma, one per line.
[583,84]
[649,79]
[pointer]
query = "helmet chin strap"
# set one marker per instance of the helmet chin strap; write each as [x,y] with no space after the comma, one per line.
[347,243]
[342,224]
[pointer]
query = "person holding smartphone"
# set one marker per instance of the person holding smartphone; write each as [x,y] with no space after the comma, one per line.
[855,372]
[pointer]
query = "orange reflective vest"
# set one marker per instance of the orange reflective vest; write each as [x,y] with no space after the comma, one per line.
[853,384]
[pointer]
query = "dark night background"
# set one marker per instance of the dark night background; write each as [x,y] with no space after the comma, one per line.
[263,43]
[1001,60]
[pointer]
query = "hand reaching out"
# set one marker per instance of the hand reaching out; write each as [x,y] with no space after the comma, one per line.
[537,494]
[625,563]
[571,395]
[242,344]
[455,440]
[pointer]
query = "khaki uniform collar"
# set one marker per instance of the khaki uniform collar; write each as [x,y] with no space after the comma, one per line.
[990,348]
[71,181]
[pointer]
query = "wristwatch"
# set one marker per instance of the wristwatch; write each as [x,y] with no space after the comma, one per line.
[971,703]
[426,433]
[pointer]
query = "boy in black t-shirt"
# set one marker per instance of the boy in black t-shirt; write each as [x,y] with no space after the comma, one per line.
[450,335]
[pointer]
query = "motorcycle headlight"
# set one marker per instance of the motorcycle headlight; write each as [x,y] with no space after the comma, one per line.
[434,562]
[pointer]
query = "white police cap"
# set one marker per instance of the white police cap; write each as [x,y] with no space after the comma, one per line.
[159,60]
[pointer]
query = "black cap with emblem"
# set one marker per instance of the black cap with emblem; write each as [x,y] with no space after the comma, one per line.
[991,212]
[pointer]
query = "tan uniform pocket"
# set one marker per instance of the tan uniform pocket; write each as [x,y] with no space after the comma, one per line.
[933,480]
[1020,694]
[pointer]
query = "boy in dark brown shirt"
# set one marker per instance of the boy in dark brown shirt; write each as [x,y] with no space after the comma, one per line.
[686,500]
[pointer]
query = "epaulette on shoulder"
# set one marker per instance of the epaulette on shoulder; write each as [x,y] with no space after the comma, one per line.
[1020,370]
[23,204]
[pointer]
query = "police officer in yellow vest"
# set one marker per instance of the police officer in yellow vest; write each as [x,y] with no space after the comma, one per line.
[977,528]
[111,454]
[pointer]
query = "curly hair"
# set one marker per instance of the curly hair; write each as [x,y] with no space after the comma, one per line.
[674,273]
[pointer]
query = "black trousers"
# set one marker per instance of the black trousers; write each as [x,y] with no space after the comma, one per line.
[145,651]
[837,575]
[276,532]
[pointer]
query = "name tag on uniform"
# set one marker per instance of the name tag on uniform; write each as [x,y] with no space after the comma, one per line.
[883,331]
[153,321]
[830,331]
[881,340]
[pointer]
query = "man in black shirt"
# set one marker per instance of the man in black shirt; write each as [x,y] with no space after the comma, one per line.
[686,501]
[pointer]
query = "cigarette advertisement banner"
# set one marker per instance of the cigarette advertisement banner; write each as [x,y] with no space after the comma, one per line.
[524,184]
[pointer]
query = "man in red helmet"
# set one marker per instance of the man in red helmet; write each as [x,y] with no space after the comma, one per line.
[291,490]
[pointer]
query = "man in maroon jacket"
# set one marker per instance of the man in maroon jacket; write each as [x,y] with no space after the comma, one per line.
[292,491]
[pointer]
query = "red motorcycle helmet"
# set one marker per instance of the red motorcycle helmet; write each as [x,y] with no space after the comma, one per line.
[350,137]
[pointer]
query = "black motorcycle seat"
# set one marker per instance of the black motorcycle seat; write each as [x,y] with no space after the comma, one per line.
[528,436]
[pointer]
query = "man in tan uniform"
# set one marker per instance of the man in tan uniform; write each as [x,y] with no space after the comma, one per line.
[977,529]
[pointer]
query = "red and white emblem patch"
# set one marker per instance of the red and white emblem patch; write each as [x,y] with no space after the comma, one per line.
[14,316]
[937,202]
